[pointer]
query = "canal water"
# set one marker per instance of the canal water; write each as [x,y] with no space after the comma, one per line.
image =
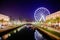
[27,33]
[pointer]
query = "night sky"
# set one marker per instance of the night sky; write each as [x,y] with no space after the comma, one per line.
[24,9]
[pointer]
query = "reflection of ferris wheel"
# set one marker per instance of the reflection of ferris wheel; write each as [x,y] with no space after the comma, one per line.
[41,13]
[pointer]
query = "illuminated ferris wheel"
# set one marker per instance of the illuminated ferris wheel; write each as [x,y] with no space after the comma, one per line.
[41,13]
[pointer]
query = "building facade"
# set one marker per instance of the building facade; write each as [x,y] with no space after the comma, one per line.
[4,17]
[53,15]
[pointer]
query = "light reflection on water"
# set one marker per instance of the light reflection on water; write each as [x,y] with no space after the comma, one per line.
[38,36]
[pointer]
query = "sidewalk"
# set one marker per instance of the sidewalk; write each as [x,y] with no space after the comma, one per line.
[50,28]
[7,28]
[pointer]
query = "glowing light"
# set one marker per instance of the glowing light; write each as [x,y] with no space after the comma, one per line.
[9,35]
[41,13]
[14,31]
[19,29]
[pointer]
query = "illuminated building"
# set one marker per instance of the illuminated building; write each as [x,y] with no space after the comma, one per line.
[53,15]
[4,17]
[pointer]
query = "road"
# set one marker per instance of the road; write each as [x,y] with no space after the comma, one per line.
[28,32]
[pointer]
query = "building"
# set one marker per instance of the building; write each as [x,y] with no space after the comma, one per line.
[4,20]
[53,15]
[4,17]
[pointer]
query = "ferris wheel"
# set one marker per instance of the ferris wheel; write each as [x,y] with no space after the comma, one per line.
[41,13]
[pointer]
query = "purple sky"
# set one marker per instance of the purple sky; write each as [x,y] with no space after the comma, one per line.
[25,8]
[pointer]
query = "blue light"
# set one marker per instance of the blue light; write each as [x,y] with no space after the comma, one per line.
[41,13]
